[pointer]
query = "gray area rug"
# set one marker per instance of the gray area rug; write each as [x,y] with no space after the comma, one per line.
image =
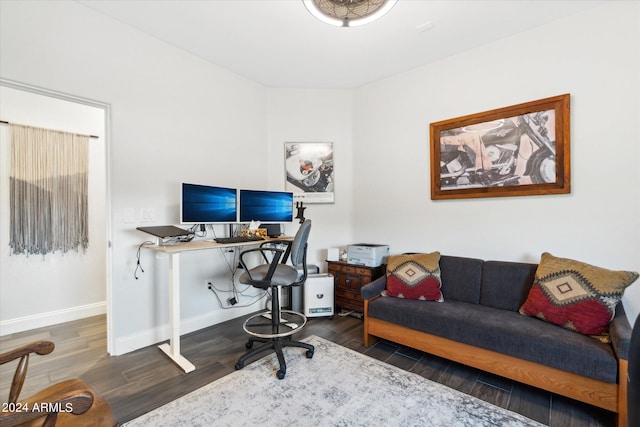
[337,387]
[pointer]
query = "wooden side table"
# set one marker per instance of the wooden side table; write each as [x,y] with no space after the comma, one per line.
[347,281]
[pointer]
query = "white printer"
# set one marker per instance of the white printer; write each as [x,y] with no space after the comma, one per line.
[367,254]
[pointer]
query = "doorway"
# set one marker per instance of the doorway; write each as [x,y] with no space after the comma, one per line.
[36,290]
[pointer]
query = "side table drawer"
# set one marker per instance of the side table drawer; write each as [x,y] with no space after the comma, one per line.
[351,269]
[349,294]
[348,279]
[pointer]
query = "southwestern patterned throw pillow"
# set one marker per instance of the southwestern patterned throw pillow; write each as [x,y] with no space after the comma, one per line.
[575,295]
[415,276]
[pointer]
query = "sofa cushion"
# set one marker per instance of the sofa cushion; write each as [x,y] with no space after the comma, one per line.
[461,278]
[503,331]
[414,276]
[576,295]
[505,284]
[620,332]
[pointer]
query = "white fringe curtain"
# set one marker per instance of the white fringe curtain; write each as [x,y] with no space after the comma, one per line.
[48,191]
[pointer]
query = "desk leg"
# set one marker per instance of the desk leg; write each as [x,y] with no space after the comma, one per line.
[173,348]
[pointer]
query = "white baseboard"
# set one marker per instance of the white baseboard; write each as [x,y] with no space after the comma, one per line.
[161,333]
[40,320]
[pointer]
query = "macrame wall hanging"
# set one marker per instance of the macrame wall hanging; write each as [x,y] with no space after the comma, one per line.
[48,191]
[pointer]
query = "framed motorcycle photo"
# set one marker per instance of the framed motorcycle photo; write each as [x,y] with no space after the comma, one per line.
[522,150]
[309,171]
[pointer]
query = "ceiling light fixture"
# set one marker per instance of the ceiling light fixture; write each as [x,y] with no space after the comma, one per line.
[348,13]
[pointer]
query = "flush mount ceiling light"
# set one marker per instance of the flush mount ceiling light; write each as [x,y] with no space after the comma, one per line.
[348,13]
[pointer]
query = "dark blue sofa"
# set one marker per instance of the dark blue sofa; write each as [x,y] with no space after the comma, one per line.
[478,324]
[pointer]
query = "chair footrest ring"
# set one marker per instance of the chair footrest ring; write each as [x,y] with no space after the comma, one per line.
[261,324]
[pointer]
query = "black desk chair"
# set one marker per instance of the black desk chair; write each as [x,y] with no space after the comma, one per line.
[274,328]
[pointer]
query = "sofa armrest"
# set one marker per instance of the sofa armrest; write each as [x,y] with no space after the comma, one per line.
[374,288]
[620,332]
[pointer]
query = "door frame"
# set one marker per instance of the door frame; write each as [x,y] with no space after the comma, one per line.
[107,158]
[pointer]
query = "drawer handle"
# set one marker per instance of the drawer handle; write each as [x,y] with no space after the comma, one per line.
[319,296]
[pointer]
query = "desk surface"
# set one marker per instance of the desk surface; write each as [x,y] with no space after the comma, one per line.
[198,245]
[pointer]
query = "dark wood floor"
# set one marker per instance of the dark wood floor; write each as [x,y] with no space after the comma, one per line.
[140,381]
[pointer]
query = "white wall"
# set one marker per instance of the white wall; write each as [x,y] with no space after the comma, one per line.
[177,118]
[316,116]
[594,56]
[174,118]
[38,290]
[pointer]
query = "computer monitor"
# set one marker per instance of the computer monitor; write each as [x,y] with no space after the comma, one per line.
[204,204]
[266,206]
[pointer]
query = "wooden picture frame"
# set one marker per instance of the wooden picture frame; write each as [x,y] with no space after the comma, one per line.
[521,150]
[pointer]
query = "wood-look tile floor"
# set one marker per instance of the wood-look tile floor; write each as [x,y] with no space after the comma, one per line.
[140,381]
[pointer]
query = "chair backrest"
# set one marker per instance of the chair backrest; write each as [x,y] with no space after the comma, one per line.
[299,245]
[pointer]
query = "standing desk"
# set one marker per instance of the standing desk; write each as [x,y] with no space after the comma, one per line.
[172,349]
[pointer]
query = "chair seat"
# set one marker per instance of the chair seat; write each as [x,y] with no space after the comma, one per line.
[284,275]
[67,403]
[98,415]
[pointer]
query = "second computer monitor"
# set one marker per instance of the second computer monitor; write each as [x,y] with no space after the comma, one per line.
[266,206]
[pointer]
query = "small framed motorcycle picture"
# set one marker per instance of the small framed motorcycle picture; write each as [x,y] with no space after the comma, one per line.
[521,150]
[309,171]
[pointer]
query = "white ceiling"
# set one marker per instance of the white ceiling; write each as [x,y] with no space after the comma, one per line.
[279,44]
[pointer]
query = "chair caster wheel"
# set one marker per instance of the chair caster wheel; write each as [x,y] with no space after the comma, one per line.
[239,366]
[309,354]
[280,374]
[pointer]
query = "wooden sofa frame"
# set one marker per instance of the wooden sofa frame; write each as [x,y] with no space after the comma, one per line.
[612,397]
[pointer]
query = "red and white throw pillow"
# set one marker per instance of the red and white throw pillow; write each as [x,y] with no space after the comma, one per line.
[415,276]
[575,295]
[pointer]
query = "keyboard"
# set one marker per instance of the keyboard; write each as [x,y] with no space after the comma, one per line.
[238,239]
